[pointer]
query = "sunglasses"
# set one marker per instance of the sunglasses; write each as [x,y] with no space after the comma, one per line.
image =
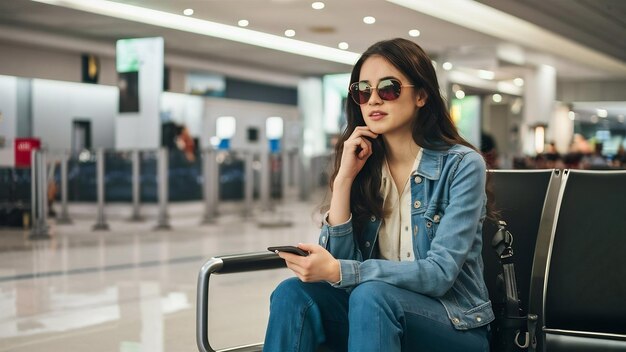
[388,89]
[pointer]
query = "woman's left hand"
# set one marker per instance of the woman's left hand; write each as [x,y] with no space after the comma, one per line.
[319,265]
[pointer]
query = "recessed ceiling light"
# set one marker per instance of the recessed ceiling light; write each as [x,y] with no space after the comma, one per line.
[602,112]
[343,46]
[369,19]
[496,98]
[318,5]
[447,66]
[414,33]
[243,23]
[620,118]
[188,12]
[518,82]
[290,33]
[594,118]
[459,94]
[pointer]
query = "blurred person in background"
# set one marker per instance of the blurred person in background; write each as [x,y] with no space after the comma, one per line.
[619,160]
[489,151]
[578,148]
[552,157]
[596,160]
[186,144]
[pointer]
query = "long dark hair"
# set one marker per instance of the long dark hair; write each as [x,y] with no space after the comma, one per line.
[432,129]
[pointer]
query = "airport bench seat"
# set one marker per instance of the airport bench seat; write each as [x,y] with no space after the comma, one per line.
[578,288]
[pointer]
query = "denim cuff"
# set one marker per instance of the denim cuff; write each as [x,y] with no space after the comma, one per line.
[336,284]
[339,229]
[349,273]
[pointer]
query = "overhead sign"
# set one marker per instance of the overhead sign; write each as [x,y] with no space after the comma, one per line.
[127,55]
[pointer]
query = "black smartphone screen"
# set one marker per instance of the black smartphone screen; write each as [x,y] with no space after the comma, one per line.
[288,249]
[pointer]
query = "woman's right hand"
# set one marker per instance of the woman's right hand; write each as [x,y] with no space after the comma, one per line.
[356,150]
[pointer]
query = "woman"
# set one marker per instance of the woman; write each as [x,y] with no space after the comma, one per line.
[398,265]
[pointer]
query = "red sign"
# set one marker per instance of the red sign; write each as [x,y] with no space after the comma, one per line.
[23,150]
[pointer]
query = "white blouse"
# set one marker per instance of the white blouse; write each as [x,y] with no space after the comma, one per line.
[394,237]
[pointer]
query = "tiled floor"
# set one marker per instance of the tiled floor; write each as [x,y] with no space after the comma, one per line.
[133,288]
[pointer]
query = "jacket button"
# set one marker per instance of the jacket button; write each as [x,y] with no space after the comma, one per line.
[373,218]
[367,244]
[456,320]
[437,218]
[479,319]
[417,179]
[417,204]
[429,224]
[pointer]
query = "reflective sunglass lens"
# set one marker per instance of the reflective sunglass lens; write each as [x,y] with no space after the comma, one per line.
[389,89]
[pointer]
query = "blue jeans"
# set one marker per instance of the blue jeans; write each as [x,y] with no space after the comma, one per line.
[375,316]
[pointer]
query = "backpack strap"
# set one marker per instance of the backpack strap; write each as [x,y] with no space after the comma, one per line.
[502,242]
[522,327]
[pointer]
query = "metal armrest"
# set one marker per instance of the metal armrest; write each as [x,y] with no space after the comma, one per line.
[228,264]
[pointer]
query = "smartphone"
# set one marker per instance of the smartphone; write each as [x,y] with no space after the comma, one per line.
[288,249]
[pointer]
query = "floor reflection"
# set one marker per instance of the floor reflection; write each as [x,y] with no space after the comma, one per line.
[133,289]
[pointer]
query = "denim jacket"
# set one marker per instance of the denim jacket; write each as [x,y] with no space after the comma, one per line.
[448,206]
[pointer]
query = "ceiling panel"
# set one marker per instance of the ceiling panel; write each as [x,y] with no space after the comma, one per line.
[341,19]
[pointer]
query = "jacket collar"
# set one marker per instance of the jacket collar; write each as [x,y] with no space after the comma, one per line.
[431,163]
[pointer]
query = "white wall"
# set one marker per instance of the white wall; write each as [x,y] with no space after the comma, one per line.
[8,119]
[248,114]
[56,104]
[46,63]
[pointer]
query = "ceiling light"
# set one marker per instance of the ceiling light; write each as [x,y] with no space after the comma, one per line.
[369,19]
[602,113]
[496,98]
[447,66]
[343,46]
[243,23]
[571,115]
[459,94]
[414,33]
[518,82]
[188,12]
[620,118]
[290,33]
[594,118]
[207,28]
[484,74]
[318,5]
